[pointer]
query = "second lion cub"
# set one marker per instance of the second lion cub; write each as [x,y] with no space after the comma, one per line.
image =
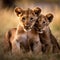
[49,42]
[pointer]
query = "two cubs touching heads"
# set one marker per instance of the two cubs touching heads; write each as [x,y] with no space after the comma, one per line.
[32,33]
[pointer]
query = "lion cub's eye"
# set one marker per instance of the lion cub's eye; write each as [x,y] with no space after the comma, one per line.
[43,21]
[23,19]
[31,19]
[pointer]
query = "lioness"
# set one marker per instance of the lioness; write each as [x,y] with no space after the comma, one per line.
[25,35]
[49,42]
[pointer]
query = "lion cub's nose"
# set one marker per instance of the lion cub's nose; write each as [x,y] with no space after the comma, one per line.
[26,26]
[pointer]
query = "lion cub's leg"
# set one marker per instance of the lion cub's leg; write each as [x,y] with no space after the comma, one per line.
[8,37]
[7,44]
[37,45]
[15,48]
[47,41]
[56,47]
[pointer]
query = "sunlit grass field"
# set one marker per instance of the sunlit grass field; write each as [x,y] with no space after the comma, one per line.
[8,20]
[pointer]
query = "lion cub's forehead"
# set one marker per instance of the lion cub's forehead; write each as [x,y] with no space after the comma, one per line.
[42,17]
[29,12]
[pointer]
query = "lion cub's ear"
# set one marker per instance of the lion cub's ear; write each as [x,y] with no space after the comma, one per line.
[37,11]
[50,17]
[18,11]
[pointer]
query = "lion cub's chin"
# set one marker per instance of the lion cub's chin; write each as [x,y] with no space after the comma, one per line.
[40,32]
[27,30]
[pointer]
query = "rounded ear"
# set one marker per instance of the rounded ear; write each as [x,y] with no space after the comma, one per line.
[50,17]
[37,11]
[18,11]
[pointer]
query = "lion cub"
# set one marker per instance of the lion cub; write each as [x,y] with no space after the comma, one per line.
[42,26]
[25,38]
[49,43]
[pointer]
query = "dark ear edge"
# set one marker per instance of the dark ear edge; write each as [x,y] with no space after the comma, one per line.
[37,11]
[18,10]
[50,17]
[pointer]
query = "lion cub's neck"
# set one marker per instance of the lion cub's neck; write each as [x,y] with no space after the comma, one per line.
[20,29]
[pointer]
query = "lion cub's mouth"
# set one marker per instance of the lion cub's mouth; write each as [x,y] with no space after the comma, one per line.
[26,29]
[40,31]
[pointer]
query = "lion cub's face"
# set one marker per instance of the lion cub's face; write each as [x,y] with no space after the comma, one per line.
[43,21]
[27,18]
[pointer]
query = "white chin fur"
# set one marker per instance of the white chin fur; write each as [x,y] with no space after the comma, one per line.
[40,32]
[27,30]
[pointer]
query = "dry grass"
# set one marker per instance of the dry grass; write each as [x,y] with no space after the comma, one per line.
[9,20]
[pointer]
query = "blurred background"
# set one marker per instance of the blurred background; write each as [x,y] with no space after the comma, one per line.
[8,18]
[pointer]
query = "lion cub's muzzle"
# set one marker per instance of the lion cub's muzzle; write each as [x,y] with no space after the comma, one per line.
[27,28]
